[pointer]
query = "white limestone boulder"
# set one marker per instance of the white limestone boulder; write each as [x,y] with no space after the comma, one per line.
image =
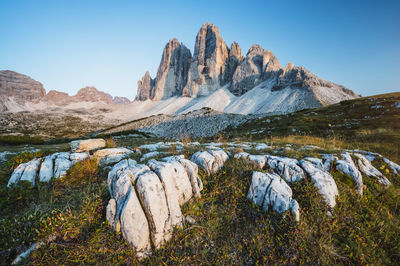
[87,145]
[365,166]
[46,169]
[206,162]
[347,166]
[221,157]
[258,160]
[134,225]
[191,170]
[16,175]
[177,175]
[210,161]
[154,146]
[322,180]
[173,195]
[394,166]
[152,197]
[272,193]
[262,147]
[30,172]
[78,156]
[61,165]
[258,187]
[241,155]
[288,168]
[150,155]
[111,155]
[329,159]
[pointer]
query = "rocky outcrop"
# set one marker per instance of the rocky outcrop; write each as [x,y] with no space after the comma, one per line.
[288,168]
[210,161]
[146,201]
[87,145]
[215,66]
[120,100]
[144,87]
[322,180]
[19,88]
[258,65]
[173,71]
[271,192]
[235,57]
[208,65]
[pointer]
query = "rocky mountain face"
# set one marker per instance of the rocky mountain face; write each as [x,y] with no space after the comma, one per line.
[214,66]
[19,89]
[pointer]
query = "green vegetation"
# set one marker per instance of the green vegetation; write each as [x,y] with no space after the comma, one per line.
[20,139]
[69,213]
[371,123]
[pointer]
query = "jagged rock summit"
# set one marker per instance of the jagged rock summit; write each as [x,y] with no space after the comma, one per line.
[215,66]
[18,90]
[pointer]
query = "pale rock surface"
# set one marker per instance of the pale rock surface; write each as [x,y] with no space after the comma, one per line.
[30,171]
[46,169]
[16,175]
[258,160]
[368,169]
[317,162]
[258,187]
[20,88]
[61,165]
[262,147]
[347,166]
[150,155]
[205,161]
[152,196]
[144,87]
[251,71]
[208,65]
[111,155]
[173,194]
[192,171]
[220,156]
[288,168]
[271,192]
[241,155]
[154,146]
[134,225]
[322,180]
[87,145]
[394,166]
[172,74]
[78,156]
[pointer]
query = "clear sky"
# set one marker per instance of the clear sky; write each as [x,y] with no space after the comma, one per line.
[68,45]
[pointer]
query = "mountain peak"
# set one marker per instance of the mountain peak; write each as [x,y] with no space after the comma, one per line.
[215,66]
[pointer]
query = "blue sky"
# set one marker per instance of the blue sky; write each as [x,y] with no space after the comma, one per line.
[67,45]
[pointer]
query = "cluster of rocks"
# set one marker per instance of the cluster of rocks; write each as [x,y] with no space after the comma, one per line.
[214,65]
[292,170]
[57,164]
[146,199]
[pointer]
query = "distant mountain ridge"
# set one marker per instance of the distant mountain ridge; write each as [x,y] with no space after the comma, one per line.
[214,66]
[19,89]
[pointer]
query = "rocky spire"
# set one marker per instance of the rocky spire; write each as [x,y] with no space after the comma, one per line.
[256,67]
[235,56]
[208,65]
[173,71]
[144,87]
